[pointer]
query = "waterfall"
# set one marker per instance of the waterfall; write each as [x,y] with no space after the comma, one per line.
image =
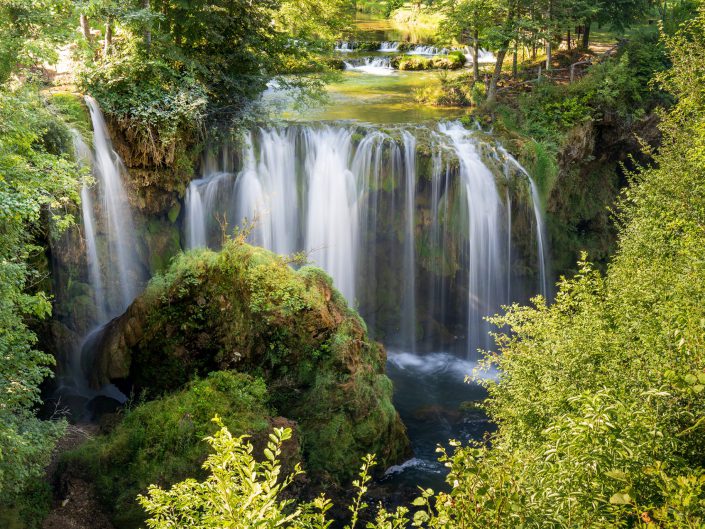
[409,323]
[414,225]
[371,65]
[345,46]
[485,258]
[84,156]
[540,224]
[122,261]
[427,50]
[195,220]
[114,274]
[331,226]
[389,47]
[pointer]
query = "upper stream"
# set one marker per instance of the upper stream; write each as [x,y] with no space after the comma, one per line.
[425,225]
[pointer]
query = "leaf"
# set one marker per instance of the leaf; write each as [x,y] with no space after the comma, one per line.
[691,379]
[420,517]
[617,474]
[620,498]
[419,502]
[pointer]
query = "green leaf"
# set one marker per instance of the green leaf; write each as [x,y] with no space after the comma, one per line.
[620,498]
[617,474]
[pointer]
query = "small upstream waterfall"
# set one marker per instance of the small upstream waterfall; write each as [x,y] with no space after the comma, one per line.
[389,47]
[427,50]
[416,240]
[371,65]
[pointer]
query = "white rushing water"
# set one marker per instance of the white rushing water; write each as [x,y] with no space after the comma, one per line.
[389,47]
[371,65]
[121,264]
[427,50]
[115,273]
[542,250]
[347,196]
[486,252]
[84,156]
[345,47]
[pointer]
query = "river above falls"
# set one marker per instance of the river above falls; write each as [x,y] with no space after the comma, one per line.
[379,95]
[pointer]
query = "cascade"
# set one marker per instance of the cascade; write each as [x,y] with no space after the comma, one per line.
[345,46]
[371,65]
[409,303]
[427,50]
[389,47]
[84,156]
[484,248]
[539,226]
[114,275]
[414,225]
[122,262]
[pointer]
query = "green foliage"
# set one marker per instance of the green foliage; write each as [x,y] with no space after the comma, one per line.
[29,32]
[242,492]
[33,181]
[156,103]
[160,441]
[599,398]
[169,67]
[72,110]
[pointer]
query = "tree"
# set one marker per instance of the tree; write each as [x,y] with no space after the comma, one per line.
[468,22]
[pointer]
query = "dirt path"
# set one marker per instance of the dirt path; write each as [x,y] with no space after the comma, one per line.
[75,505]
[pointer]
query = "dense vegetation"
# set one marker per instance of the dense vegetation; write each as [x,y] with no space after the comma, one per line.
[598,401]
[291,329]
[37,182]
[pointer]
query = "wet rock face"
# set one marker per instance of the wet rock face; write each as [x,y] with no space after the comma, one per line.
[157,175]
[246,309]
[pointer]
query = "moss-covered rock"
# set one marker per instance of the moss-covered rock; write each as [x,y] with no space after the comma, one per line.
[161,442]
[245,308]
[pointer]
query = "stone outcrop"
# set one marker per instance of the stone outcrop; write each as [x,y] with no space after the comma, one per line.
[246,309]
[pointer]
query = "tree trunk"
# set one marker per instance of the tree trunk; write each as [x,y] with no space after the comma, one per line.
[147,30]
[586,35]
[568,39]
[549,54]
[475,57]
[515,60]
[492,92]
[108,37]
[86,27]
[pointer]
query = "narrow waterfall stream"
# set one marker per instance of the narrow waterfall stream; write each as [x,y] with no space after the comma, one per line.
[115,274]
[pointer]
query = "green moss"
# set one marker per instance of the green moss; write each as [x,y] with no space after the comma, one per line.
[72,110]
[246,308]
[173,213]
[161,441]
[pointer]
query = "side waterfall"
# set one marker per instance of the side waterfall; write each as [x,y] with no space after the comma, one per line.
[120,264]
[114,270]
[420,229]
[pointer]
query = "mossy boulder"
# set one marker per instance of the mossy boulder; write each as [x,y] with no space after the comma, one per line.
[246,309]
[161,442]
[452,61]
